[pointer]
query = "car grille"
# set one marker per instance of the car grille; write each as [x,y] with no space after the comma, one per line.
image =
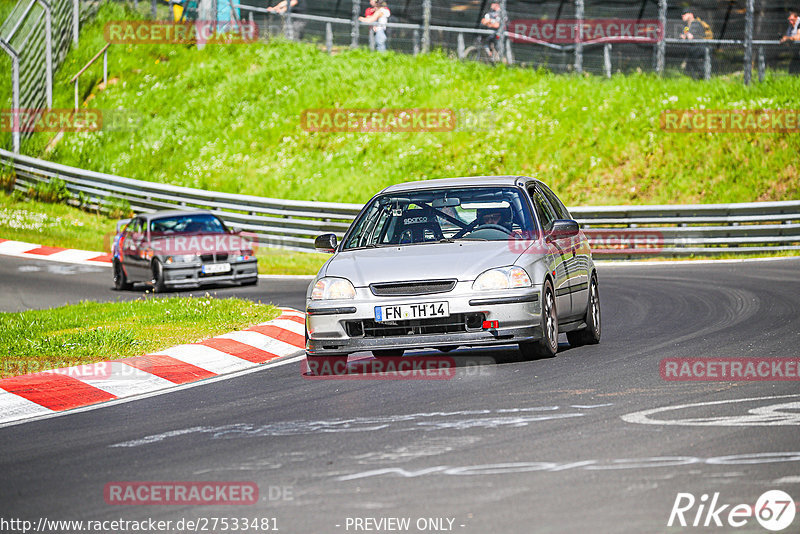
[222,256]
[459,322]
[414,287]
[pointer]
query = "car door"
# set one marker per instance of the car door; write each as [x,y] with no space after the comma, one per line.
[133,245]
[557,250]
[577,257]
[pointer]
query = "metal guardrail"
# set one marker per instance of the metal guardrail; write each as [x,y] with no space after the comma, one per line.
[616,231]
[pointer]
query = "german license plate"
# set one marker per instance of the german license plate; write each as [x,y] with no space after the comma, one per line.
[404,312]
[214,268]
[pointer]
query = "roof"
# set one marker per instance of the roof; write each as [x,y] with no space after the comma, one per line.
[171,213]
[468,181]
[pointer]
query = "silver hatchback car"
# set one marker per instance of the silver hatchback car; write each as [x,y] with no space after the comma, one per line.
[455,262]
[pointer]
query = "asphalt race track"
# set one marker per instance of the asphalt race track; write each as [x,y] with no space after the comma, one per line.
[34,284]
[554,445]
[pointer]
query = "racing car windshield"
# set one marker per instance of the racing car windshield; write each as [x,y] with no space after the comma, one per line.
[431,216]
[199,223]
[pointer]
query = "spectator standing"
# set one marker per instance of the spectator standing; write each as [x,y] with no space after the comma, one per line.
[380,18]
[298,8]
[792,36]
[493,19]
[695,29]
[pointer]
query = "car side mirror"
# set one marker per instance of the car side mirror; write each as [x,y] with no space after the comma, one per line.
[563,228]
[326,243]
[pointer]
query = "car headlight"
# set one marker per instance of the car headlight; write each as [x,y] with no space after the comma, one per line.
[502,278]
[330,288]
[181,258]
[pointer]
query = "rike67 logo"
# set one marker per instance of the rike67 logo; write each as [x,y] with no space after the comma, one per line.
[774,510]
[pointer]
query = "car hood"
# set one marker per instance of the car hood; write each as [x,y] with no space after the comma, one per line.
[462,260]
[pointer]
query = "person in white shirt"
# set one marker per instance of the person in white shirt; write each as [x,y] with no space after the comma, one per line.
[792,36]
[381,17]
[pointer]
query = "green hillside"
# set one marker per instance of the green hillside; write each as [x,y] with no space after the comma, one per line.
[228,118]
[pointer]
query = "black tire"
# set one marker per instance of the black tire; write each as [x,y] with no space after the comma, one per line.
[159,286]
[448,348]
[547,346]
[120,280]
[326,365]
[591,334]
[250,282]
[388,353]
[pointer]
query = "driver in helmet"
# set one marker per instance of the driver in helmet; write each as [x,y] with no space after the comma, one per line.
[494,216]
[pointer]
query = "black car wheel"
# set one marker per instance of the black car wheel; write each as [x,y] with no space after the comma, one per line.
[591,334]
[547,346]
[159,286]
[120,280]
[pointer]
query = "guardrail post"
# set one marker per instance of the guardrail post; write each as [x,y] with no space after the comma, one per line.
[76,94]
[371,39]
[48,47]
[501,42]
[415,38]
[579,36]
[354,28]
[15,133]
[707,62]
[661,46]
[762,66]
[289,27]
[105,68]
[460,46]
[76,21]
[509,53]
[154,11]
[748,43]
[426,26]
[328,38]
[607,59]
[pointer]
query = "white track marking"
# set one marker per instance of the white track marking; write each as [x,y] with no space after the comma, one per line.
[122,380]
[760,416]
[207,358]
[291,326]
[260,341]
[14,408]
[16,247]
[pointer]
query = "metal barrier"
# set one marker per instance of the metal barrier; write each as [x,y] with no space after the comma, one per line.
[615,231]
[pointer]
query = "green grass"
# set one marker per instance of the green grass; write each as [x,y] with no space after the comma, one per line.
[56,225]
[88,332]
[60,225]
[227,118]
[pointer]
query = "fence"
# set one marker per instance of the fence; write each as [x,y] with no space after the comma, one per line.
[36,37]
[746,33]
[617,231]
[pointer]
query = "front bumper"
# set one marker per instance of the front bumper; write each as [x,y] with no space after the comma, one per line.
[178,275]
[347,326]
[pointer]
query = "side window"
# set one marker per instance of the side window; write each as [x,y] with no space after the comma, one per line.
[561,211]
[543,209]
